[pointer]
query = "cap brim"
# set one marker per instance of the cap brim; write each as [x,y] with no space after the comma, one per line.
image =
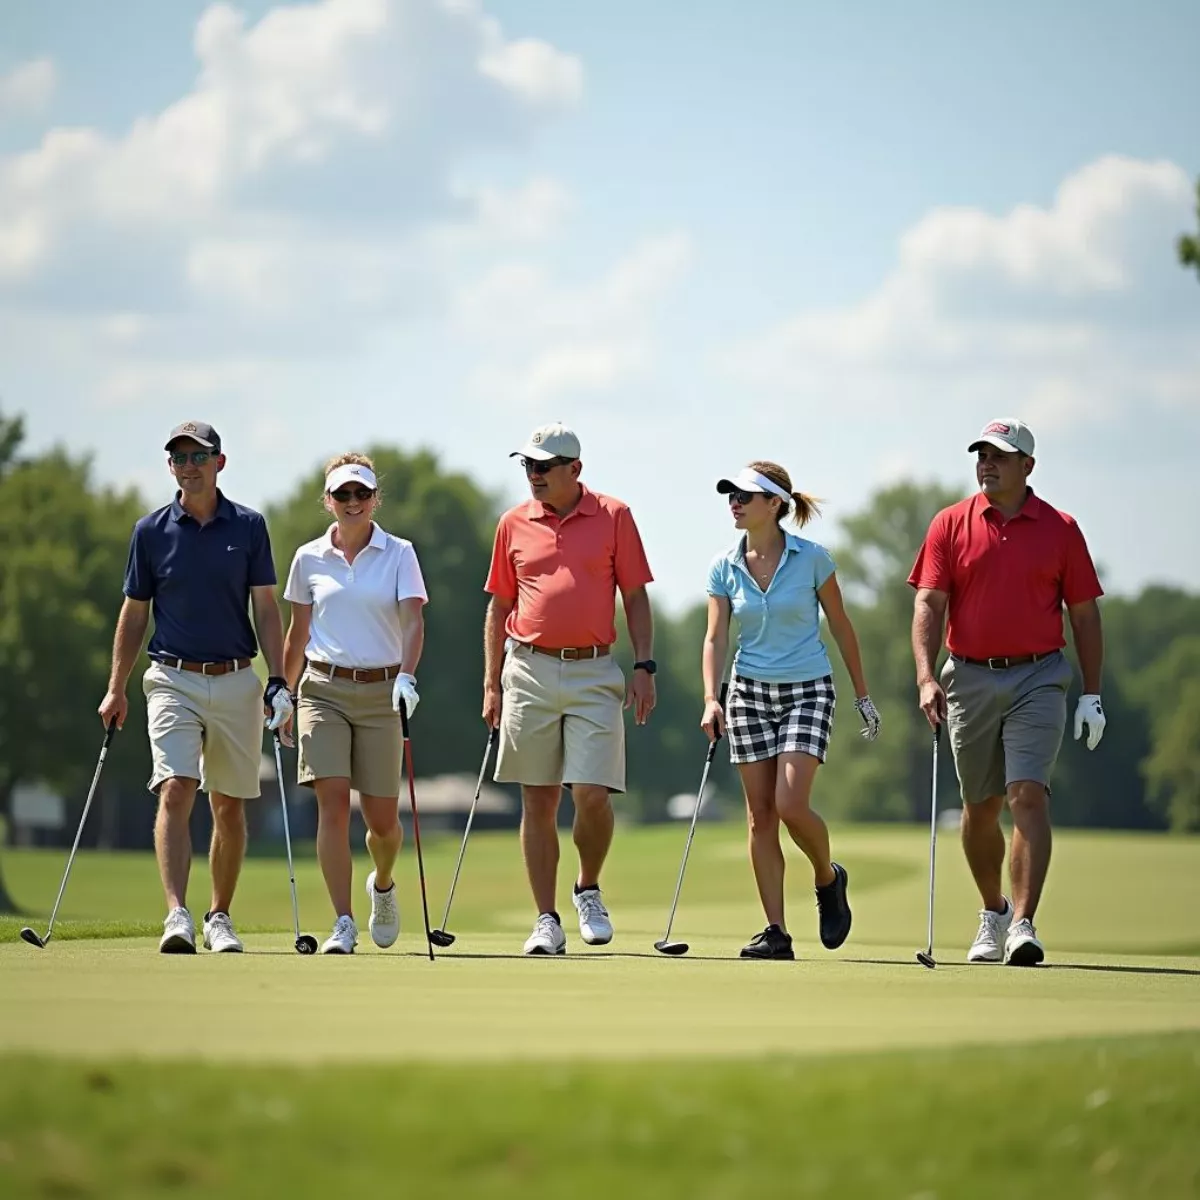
[534,452]
[1007,447]
[179,437]
[725,486]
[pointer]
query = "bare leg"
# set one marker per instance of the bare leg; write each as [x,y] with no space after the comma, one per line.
[983,844]
[228,849]
[1031,842]
[333,840]
[766,855]
[172,839]
[592,831]
[384,836]
[539,842]
[793,791]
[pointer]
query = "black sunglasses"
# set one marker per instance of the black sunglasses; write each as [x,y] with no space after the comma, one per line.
[535,467]
[345,495]
[198,458]
[742,497]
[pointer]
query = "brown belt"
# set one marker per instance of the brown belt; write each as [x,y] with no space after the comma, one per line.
[357,674]
[204,668]
[571,653]
[1002,662]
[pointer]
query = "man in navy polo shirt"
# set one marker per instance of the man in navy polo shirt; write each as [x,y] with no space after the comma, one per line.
[198,563]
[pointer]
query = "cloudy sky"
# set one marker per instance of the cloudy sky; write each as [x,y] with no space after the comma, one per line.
[840,236]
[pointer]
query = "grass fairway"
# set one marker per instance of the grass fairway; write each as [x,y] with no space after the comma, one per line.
[484,1074]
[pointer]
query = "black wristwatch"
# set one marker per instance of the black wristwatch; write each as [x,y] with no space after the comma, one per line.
[647,664]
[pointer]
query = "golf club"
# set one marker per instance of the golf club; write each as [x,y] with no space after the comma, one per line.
[412,800]
[925,957]
[665,945]
[28,934]
[440,937]
[305,942]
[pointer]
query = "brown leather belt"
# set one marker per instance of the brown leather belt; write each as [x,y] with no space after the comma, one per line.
[204,668]
[1003,661]
[357,674]
[571,653]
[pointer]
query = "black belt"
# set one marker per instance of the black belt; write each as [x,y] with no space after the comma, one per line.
[1004,661]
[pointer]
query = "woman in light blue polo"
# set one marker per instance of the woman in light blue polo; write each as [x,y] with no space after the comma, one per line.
[779,711]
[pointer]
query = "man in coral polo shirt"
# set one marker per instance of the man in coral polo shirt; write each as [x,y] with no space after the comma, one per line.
[1002,565]
[557,695]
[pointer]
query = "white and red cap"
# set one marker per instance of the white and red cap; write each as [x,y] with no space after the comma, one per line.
[1007,434]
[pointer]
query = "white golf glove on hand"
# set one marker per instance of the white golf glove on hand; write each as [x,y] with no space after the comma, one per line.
[870,716]
[1088,712]
[279,701]
[405,688]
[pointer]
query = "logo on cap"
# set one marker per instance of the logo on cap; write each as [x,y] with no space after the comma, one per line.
[190,427]
[536,440]
[999,427]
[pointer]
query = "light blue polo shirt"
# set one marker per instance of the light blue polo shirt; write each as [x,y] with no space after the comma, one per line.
[779,630]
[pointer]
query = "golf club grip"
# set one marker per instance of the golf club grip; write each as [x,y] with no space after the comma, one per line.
[712,746]
[404,718]
[109,733]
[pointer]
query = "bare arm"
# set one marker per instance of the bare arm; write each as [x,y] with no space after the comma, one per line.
[132,621]
[716,646]
[840,626]
[268,624]
[412,628]
[493,657]
[295,642]
[1089,643]
[929,616]
[640,621]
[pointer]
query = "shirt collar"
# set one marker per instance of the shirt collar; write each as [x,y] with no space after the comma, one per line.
[1032,508]
[791,545]
[378,539]
[224,510]
[536,510]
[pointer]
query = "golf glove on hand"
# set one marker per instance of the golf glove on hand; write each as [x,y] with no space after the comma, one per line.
[870,716]
[1088,712]
[279,701]
[405,688]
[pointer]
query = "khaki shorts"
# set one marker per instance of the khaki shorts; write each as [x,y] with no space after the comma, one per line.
[561,722]
[348,730]
[205,727]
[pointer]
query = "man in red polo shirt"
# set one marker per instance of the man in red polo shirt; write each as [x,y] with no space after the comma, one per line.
[557,694]
[1002,564]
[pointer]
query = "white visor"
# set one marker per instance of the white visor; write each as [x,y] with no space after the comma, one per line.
[747,480]
[351,473]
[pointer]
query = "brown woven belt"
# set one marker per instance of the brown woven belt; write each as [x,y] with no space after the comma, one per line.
[357,674]
[1002,662]
[204,668]
[571,653]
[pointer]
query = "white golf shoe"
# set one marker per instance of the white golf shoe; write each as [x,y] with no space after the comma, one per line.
[594,925]
[343,939]
[1021,946]
[547,936]
[385,914]
[988,946]
[219,936]
[179,933]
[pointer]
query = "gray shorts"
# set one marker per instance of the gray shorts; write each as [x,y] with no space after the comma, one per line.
[1005,725]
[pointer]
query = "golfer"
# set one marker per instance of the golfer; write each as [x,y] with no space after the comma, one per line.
[196,564]
[1001,565]
[353,644]
[557,696]
[779,712]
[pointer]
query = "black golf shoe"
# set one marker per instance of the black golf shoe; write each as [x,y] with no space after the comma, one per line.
[771,943]
[834,909]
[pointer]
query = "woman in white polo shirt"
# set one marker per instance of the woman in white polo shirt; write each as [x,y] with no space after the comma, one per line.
[352,647]
[781,699]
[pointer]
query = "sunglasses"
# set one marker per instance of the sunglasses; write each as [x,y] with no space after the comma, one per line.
[197,458]
[742,497]
[534,467]
[345,495]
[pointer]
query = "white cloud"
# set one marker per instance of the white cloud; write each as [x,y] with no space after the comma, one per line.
[534,70]
[28,87]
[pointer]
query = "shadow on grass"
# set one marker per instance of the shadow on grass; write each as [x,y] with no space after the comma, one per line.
[1120,969]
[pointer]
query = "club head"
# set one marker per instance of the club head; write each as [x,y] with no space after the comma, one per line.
[926,959]
[674,949]
[439,937]
[27,935]
[306,944]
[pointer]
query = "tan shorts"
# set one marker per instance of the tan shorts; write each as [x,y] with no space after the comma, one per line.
[205,727]
[348,730]
[561,722]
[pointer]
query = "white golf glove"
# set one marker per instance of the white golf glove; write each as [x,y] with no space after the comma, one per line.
[1088,712]
[405,688]
[279,701]
[871,719]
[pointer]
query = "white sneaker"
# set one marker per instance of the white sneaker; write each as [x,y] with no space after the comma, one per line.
[179,933]
[547,937]
[1021,947]
[594,926]
[343,939]
[385,914]
[219,936]
[988,945]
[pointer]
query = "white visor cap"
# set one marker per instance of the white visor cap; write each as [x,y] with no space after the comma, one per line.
[351,473]
[747,480]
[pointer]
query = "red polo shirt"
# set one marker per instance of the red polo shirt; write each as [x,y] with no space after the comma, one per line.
[563,572]
[1007,580]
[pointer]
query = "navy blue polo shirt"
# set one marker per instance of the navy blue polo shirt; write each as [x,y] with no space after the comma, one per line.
[199,578]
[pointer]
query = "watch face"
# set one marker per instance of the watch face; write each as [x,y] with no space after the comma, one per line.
[648,665]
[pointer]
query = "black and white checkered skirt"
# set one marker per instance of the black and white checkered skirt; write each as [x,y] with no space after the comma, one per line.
[764,720]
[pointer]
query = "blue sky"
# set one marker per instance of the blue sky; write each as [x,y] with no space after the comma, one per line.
[841,236]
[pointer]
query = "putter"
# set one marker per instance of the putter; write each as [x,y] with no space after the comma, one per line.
[305,942]
[28,934]
[665,945]
[925,957]
[440,936]
[412,800]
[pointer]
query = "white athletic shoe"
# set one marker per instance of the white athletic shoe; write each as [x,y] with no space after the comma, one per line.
[1021,947]
[547,937]
[219,936]
[594,926]
[385,914]
[179,933]
[988,946]
[343,939]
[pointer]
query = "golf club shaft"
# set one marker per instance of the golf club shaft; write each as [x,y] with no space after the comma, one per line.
[287,833]
[493,737]
[933,830]
[412,801]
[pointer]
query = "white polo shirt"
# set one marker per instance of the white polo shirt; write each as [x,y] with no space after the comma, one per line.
[355,613]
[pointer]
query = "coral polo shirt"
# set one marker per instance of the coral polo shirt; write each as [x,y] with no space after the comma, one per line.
[1007,580]
[561,573]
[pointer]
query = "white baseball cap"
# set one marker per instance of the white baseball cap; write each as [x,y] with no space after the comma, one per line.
[550,441]
[351,473]
[1007,434]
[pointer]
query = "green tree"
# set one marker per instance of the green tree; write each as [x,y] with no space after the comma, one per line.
[1170,689]
[1188,245]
